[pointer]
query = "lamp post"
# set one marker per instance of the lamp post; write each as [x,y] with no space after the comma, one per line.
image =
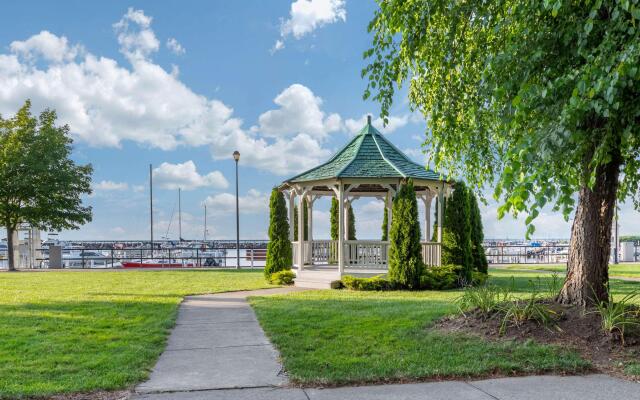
[236,156]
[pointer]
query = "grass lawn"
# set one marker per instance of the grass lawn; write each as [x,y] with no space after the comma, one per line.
[339,337]
[630,270]
[72,331]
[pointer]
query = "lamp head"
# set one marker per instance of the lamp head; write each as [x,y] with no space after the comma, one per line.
[236,155]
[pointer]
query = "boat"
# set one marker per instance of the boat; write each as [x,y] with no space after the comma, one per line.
[155,264]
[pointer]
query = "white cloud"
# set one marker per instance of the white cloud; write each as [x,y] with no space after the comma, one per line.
[254,202]
[175,46]
[118,230]
[306,16]
[106,103]
[278,45]
[395,122]
[138,188]
[110,186]
[137,39]
[186,177]
[299,112]
[48,46]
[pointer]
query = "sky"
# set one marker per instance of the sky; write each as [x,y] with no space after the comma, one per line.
[181,85]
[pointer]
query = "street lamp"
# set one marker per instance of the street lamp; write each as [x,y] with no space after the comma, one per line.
[236,156]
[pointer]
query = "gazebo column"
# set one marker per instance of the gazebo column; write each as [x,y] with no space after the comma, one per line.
[292,199]
[310,201]
[427,217]
[389,205]
[440,216]
[301,242]
[341,230]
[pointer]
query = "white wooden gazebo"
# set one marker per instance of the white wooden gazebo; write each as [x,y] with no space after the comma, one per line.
[368,166]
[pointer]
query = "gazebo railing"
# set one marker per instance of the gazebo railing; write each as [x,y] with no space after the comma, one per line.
[431,254]
[372,254]
[366,254]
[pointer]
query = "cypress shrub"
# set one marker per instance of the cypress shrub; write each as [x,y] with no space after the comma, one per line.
[352,224]
[334,218]
[456,238]
[434,234]
[279,253]
[479,258]
[385,224]
[405,252]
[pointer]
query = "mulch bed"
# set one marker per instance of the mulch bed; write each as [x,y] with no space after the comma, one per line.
[573,329]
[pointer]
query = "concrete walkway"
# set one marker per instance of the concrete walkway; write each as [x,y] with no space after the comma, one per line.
[218,351]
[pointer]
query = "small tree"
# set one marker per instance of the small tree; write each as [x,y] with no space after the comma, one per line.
[41,185]
[334,218]
[456,238]
[478,256]
[405,252]
[279,253]
[352,224]
[385,225]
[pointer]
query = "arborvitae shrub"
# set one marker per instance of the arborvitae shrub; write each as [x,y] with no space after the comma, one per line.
[279,254]
[456,239]
[478,256]
[385,224]
[405,252]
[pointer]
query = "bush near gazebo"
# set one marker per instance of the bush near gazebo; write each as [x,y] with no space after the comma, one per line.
[478,256]
[405,252]
[279,253]
[456,237]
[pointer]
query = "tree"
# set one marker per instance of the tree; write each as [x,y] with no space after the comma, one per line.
[352,223]
[456,238]
[385,225]
[478,256]
[305,213]
[537,96]
[405,252]
[279,252]
[41,185]
[334,218]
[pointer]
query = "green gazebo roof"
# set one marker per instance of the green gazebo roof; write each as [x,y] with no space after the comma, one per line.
[368,155]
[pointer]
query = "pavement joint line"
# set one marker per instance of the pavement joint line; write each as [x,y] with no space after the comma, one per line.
[221,347]
[306,394]
[481,390]
[211,389]
[211,323]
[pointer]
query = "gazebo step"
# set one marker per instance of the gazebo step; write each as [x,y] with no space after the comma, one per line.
[312,284]
[316,279]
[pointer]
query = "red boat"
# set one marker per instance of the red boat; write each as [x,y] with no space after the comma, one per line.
[155,264]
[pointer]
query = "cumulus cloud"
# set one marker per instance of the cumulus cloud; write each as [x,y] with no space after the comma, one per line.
[175,46]
[306,16]
[300,112]
[46,45]
[106,103]
[395,122]
[110,186]
[186,177]
[254,202]
[277,46]
[137,39]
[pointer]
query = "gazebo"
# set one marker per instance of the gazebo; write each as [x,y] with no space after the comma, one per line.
[368,166]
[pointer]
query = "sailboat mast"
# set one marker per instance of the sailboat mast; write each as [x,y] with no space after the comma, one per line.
[205,223]
[180,214]
[151,204]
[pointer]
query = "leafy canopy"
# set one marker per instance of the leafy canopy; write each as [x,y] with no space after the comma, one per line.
[41,185]
[534,94]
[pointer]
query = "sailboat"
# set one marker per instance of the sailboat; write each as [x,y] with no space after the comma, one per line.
[162,262]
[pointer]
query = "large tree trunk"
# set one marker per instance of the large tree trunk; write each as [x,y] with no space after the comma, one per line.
[10,253]
[587,269]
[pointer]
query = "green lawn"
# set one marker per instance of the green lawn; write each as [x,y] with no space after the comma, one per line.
[625,270]
[339,337]
[79,331]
